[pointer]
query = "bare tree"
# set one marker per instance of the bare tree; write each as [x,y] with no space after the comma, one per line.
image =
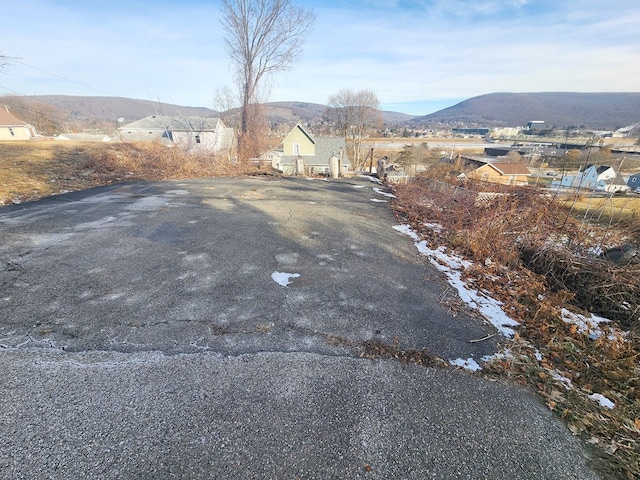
[354,113]
[262,37]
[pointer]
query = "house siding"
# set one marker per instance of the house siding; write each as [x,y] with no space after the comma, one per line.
[297,136]
[18,132]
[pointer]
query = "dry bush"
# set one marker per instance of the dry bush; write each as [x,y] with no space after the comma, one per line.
[150,161]
[543,260]
[598,286]
[524,227]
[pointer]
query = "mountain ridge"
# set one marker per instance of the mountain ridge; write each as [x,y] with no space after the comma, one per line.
[605,111]
[557,109]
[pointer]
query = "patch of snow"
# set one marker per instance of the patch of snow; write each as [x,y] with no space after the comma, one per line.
[372,179]
[468,364]
[504,355]
[358,186]
[382,192]
[451,265]
[377,200]
[603,401]
[282,278]
[562,379]
[590,326]
[538,355]
[407,230]
[436,227]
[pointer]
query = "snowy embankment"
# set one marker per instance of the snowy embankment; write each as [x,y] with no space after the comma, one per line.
[453,266]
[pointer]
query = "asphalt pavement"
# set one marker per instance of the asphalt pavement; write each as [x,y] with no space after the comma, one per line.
[213,328]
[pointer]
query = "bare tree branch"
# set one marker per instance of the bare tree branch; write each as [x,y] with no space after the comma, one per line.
[262,37]
[354,113]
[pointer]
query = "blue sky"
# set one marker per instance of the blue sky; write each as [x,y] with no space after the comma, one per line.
[418,56]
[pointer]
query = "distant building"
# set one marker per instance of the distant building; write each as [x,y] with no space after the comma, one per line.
[502,173]
[192,134]
[300,152]
[596,177]
[634,182]
[535,125]
[504,132]
[12,128]
[469,131]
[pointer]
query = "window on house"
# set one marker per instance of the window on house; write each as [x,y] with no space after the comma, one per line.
[296,149]
[633,180]
[13,134]
[197,138]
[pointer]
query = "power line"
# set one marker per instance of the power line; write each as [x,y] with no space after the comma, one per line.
[63,78]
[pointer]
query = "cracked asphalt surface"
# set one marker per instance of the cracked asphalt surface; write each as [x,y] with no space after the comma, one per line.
[142,335]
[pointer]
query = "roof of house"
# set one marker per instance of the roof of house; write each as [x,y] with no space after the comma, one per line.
[175,124]
[600,169]
[510,168]
[303,130]
[7,119]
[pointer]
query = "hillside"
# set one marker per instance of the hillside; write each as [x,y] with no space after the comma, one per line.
[108,109]
[606,111]
[602,111]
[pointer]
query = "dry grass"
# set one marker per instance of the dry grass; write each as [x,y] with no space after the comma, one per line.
[605,209]
[32,170]
[536,258]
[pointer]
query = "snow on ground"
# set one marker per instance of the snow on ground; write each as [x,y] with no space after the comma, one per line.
[282,278]
[451,265]
[382,192]
[603,401]
[378,200]
[370,178]
[590,326]
[468,364]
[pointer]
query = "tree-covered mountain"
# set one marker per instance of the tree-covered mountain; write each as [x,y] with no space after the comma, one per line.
[606,111]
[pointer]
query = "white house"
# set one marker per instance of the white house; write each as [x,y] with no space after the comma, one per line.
[596,177]
[12,128]
[192,134]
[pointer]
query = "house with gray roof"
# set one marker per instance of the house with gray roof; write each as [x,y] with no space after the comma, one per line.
[192,134]
[302,153]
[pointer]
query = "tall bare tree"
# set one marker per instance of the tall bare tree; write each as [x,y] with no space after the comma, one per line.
[262,37]
[354,113]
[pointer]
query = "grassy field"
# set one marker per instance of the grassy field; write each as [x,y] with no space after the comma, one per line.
[605,210]
[31,170]
[35,169]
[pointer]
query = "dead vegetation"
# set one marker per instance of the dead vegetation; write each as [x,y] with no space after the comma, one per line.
[541,261]
[33,170]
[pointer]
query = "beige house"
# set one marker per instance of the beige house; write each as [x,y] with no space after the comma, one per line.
[300,152]
[192,134]
[12,128]
[502,173]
